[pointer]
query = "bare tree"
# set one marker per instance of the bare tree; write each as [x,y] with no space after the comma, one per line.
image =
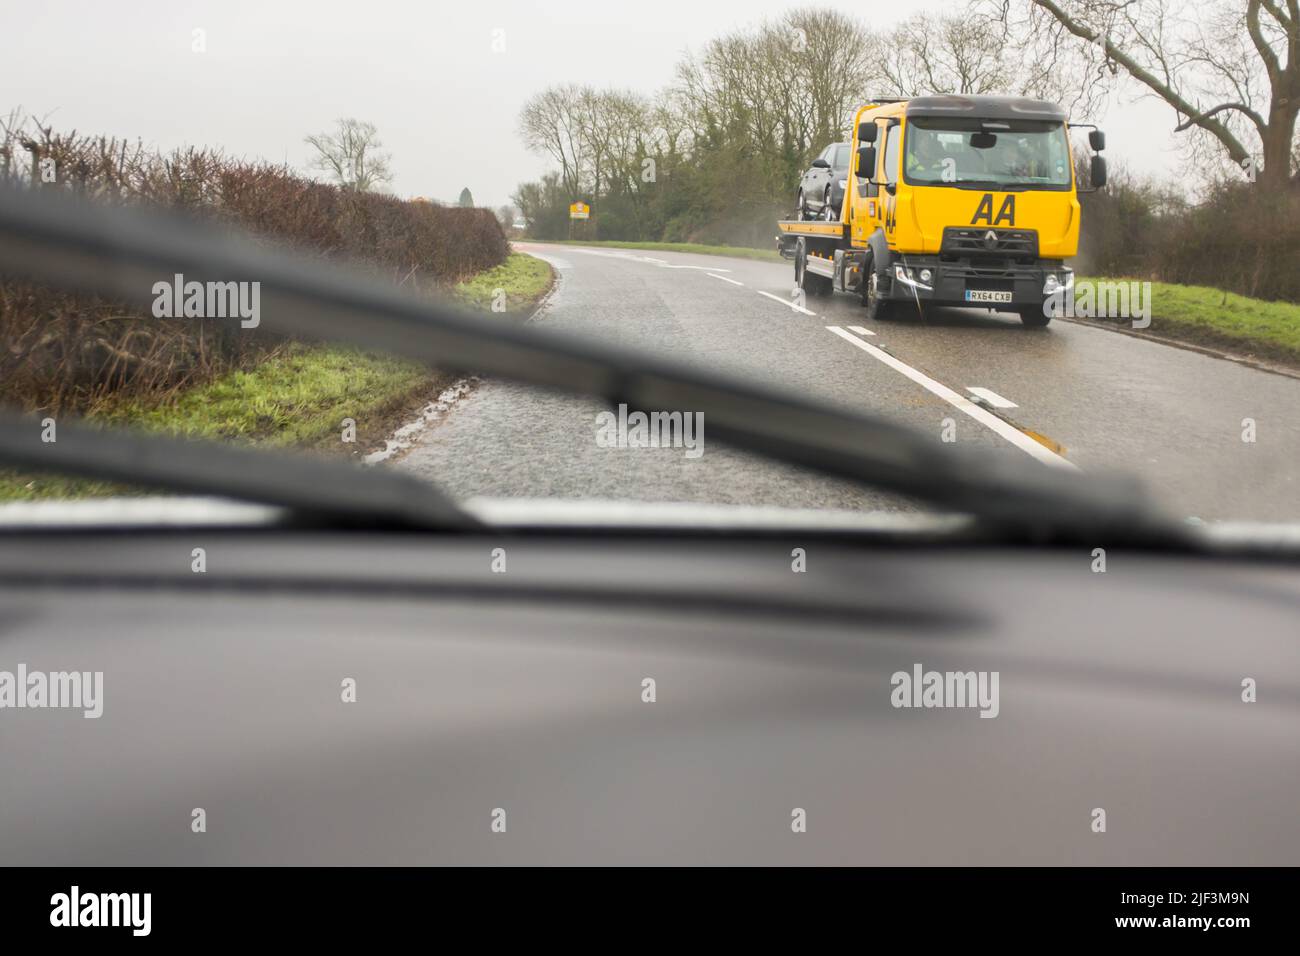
[551,123]
[598,137]
[956,54]
[352,156]
[1230,69]
[781,90]
[836,66]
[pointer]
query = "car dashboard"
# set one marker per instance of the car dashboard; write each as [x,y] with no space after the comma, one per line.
[660,697]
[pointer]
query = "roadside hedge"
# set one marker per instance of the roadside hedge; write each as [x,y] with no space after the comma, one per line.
[1233,237]
[66,353]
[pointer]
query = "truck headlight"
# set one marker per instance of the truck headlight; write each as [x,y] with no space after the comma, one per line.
[908,277]
[1053,282]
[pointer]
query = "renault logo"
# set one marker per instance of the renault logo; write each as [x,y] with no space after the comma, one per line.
[990,240]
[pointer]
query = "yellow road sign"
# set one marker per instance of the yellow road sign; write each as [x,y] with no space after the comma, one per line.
[579,210]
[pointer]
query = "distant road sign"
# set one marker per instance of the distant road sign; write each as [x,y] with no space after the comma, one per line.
[579,210]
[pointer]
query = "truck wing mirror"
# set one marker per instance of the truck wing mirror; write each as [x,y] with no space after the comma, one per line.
[866,162]
[1097,140]
[1097,174]
[867,131]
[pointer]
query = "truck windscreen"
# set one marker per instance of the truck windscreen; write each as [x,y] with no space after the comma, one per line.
[1021,153]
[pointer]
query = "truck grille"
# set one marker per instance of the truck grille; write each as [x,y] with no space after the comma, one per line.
[974,241]
[990,285]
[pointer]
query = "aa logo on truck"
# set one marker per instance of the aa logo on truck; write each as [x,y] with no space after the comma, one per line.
[890,211]
[1006,214]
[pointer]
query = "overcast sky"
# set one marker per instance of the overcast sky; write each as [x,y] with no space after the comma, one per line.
[424,72]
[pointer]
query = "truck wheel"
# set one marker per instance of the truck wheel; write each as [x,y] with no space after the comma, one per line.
[878,310]
[1034,318]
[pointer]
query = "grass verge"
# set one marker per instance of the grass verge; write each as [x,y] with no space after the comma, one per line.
[520,281]
[297,397]
[1212,318]
[736,252]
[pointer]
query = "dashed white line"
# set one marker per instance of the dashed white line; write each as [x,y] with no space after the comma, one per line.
[860,330]
[725,279]
[990,396]
[960,402]
[785,302]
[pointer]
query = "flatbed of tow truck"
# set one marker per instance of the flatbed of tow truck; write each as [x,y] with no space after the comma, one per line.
[821,228]
[821,249]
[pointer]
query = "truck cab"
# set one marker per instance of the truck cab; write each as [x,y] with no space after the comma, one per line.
[966,201]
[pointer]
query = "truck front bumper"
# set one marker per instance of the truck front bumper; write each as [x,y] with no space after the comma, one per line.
[972,284]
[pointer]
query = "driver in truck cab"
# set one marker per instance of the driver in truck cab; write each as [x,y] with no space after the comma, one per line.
[1019,162]
[927,160]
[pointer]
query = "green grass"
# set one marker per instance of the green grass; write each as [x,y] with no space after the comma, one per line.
[522,278]
[298,396]
[738,252]
[1203,315]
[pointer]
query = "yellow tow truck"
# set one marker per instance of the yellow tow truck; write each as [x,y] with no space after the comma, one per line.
[967,201]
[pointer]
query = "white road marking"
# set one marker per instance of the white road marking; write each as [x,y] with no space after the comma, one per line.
[725,279]
[661,263]
[990,396]
[607,254]
[785,302]
[860,330]
[961,403]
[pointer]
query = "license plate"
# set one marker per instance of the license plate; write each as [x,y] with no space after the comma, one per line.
[980,295]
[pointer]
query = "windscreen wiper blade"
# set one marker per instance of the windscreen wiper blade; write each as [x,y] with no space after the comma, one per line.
[121,253]
[313,490]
